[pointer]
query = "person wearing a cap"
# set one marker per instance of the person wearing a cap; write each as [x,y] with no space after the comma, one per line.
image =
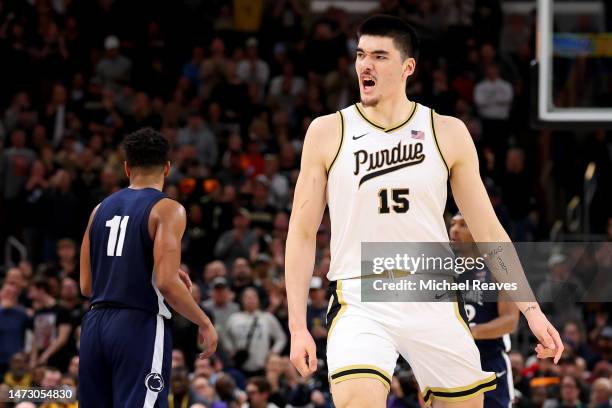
[222,306]
[253,69]
[114,68]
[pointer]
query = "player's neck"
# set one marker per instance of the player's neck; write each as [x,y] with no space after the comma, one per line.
[138,182]
[390,111]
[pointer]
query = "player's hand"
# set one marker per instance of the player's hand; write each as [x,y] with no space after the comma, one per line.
[207,339]
[550,342]
[184,277]
[303,354]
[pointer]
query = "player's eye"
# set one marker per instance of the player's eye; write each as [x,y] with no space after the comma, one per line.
[360,55]
[381,57]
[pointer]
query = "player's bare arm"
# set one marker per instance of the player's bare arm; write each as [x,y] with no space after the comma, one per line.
[167,223]
[505,323]
[85,260]
[471,197]
[321,143]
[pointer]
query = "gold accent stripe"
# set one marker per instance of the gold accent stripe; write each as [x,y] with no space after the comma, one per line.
[466,391]
[463,323]
[341,142]
[361,375]
[362,366]
[433,130]
[416,105]
[366,119]
[342,307]
[392,128]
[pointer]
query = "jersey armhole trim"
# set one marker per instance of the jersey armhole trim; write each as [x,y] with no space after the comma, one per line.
[433,131]
[339,145]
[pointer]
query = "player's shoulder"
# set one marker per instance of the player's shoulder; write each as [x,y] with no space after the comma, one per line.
[446,123]
[168,208]
[324,138]
[325,123]
[453,137]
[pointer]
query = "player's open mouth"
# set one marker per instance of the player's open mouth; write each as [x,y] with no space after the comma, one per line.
[367,82]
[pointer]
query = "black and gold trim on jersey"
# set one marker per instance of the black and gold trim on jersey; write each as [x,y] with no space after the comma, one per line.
[433,131]
[337,305]
[391,128]
[339,144]
[460,393]
[360,371]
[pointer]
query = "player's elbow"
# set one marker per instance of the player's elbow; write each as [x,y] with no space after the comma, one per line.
[164,284]
[86,289]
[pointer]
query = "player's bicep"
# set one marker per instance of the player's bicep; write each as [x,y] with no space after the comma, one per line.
[309,196]
[169,230]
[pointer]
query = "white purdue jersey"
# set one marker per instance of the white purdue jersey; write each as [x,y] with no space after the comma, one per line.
[384,185]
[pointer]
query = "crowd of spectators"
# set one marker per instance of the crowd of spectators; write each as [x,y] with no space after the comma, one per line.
[233,85]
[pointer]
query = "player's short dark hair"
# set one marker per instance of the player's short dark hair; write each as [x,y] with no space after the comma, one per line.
[404,36]
[146,148]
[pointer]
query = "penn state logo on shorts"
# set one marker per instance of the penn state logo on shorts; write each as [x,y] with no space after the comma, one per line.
[154,382]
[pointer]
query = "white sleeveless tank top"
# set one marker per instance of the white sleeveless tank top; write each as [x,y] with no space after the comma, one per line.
[384,185]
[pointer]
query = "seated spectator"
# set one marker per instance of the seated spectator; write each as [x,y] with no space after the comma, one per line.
[180,394]
[601,393]
[258,392]
[18,374]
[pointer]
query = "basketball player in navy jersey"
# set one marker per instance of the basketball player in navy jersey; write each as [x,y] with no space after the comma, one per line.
[491,324]
[130,259]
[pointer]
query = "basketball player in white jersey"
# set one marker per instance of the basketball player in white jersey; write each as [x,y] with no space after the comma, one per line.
[382,167]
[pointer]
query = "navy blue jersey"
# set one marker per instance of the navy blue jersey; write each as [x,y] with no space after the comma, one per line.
[479,311]
[121,252]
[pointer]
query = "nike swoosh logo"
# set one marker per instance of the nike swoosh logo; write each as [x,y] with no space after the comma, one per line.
[440,296]
[360,136]
[500,374]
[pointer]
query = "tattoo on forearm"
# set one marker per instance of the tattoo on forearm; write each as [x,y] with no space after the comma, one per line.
[529,308]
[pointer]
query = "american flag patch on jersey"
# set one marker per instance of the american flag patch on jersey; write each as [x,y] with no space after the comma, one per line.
[418,134]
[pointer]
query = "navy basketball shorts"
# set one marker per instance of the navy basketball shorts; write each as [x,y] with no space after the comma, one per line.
[502,396]
[125,359]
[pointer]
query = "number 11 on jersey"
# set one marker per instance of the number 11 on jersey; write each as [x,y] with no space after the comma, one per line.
[117,227]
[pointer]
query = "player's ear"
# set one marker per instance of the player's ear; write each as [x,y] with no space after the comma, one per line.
[409,66]
[126,168]
[167,168]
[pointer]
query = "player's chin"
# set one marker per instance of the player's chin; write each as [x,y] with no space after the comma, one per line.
[369,100]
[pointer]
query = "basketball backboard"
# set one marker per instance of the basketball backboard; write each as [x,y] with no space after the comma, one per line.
[573,67]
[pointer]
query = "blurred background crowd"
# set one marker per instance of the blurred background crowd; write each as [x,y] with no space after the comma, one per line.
[233,85]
